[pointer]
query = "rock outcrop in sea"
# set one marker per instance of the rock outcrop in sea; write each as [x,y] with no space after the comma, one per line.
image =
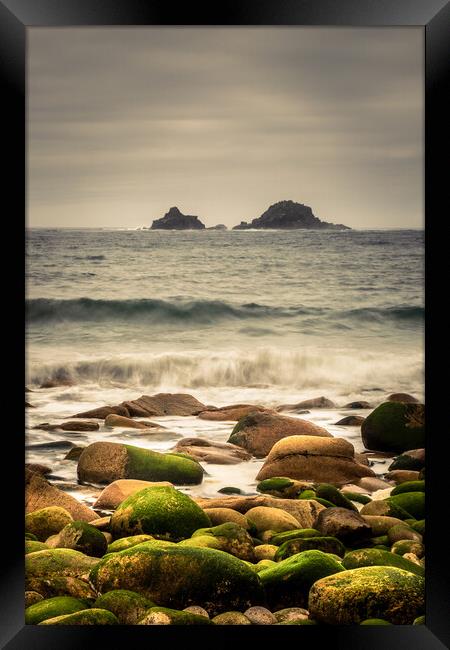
[176,220]
[289,215]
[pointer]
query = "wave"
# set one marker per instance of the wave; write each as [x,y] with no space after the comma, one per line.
[47,310]
[297,369]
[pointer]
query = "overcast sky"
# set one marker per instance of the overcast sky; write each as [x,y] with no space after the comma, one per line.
[222,122]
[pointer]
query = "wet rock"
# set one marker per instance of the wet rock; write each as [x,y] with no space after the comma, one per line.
[40,494]
[167,404]
[74,453]
[85,617]
[113,420]
[315,403]
[232,412]
[176,220]
[128,606]
[369,592]
[120,490]
[358,405]
[314,458]
[230,490]
[288,582]
[329,545]
[384,508]
[305,511]
[400,476]
[105,462]
[257,433]
[280,486]
[413,459]
[80,536]
[404,398]
[175,576]
[29,406]
[394,426]
[219,453]
[267,518]
[163,512]
[102,412]
[224,515]
[380,524]
[346,525]
[166,616]
[80,425]
[373,483]
[376,557]
[350,421]
[36,468]
[260,616]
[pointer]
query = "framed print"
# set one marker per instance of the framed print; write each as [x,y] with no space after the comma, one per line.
[227,249]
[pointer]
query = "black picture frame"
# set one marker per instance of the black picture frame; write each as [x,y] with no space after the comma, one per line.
[18,15]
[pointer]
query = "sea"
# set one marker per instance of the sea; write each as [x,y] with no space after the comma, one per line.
[258,316]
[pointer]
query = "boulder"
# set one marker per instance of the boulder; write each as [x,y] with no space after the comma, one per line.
[267,518]
[394,426]
[113,420]
[314,458]
[265,552]
[260,616]
[232,412]
[57,562]
[414,459]
[167,616]
[176,220]
[219,453]
[85,617]
[80,536]
[279,486]
[289,215]
[376,557]
[105,462]
[46,521]
[32,597]
[128,606]
[305,511]
[346,525]
[163,512]
[288,582]
[51,607]
[400,476]
[408,486]
[102,412]
[315,403]
[355,595]
[402,397]
[358,405]
[259,432]
[119,490]
[228,537]
[373,483]
[329,545]
[289,614]
[224,515]
[165,404]
[40,494]
[72,425]
[384,508]
[57,585]
[74,453]
[175,576]
[31,546]
[231,618]
[350,421]
[127,542]
[412,502]
[36,468]
[380,524]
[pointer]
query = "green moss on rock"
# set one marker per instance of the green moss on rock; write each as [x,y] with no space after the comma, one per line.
[164,512]
[47,521]
[231,618]
[127,542]
[86,617]
[58,562]
[375,557]
[61,586]
[51,607]
[355,595]
[408,546]
[167,616]
[288,582]
[412,502]
[32,546]
[228,537]
[81,536]
[177,577]
[359,498]
[128,606]
[375,621]
[334,496]
[300,533]
[324,544]
[408,486]
[394,426]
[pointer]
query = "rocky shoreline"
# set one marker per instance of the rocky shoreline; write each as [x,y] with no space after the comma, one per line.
[324,540]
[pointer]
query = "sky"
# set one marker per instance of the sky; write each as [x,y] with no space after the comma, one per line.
[124,123]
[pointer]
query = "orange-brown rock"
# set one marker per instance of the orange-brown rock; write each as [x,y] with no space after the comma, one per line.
[314,403]
[165,404]
[102,412]
[232,412]
[113,420]
[402,397]
[220,453]
[314,458]
[119,490]
[258,432]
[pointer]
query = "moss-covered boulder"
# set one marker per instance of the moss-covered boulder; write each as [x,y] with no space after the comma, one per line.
[219,516]
[375,557]
[403,532]
[47,521]
[412,502]
[127,542]
[359,498]
[58,562]
[408,546]
[381,524]
[375,621]
[291,614]
[324,544]
[32,547]
[265,518]
[128,606]
[352,596]
[86,617]
[412,460]
[384,508]
[163,512]
[231,618]
[176,576]
[283,487]
[419,527]
[166,616]
[335,496]
[408,486]
[105,462]
[394,426]
[420,620]
[265,552]
[51,607]
[299,533]
[287,583]
[228,537]
[80,536]
[32,597]
[62,586]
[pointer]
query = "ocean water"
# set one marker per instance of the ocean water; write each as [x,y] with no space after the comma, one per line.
[266,317]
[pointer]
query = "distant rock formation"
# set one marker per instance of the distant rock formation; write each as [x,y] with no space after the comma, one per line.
[176,220]
[220,226]
[288,215]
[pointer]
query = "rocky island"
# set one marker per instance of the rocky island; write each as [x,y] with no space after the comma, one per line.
[176,220]
[289,215]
